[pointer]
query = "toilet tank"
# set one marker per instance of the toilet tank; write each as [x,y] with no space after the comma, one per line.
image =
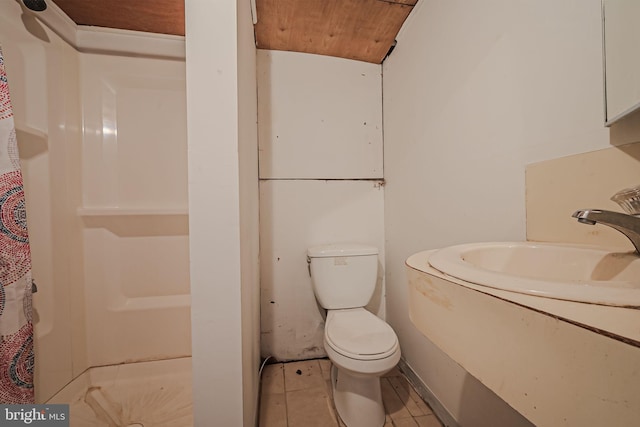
[343,275]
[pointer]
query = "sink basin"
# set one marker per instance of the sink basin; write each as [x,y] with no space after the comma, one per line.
[524,322]
[574,273]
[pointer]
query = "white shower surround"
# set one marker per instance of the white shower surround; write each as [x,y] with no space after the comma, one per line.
[134,211]
[55,119]
[110,234]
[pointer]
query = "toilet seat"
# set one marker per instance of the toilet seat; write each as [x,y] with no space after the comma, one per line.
[358,334]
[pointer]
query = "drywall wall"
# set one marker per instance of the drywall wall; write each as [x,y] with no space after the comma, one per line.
[320,139]
[473,92]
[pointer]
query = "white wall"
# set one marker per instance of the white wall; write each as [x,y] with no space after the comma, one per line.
[320,138]
[472,93]
[297,214]
[218,104]
[320,117]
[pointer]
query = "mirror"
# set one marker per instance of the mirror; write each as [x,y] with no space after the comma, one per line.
[621,39]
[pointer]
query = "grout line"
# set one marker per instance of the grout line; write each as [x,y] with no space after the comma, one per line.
[286,401]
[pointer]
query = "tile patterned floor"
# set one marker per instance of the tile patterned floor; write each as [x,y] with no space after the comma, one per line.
[298,394]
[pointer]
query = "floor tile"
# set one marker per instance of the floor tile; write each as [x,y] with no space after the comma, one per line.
[388,422]
[273,378]
[325,367]
[273,410]
[310,407]
[302,375]
[402,389]
[428,421]
[298,394]
[405,422]
[392,403]
[426,410]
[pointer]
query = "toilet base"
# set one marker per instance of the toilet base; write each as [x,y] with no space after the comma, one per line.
[358,400]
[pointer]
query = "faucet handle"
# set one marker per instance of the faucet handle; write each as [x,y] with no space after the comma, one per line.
[629,200]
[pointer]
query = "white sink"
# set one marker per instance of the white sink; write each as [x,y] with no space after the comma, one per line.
[574,273]
[520,318]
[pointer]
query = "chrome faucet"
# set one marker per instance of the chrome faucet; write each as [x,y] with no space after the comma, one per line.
[629,225]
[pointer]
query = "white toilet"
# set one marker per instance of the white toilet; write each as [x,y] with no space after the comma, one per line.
[361,346]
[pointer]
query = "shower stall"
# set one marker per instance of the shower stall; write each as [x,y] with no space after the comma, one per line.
[102,141]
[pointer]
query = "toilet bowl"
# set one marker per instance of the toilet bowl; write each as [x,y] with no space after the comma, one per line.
[359,342]
[361,346]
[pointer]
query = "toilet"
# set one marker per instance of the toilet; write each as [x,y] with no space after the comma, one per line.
[361,346]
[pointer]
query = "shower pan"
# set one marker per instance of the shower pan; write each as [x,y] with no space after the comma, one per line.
[141,394]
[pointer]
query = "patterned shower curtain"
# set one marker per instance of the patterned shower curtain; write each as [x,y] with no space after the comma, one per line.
[16,328]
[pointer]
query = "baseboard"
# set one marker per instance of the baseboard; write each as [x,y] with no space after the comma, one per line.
[427,395]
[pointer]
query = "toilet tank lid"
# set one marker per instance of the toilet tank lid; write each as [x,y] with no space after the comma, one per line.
[341,249]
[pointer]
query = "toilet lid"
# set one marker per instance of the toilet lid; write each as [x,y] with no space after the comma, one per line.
[359,334]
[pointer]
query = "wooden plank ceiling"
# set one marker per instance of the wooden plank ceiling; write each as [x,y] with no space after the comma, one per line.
[157,16]
[363,30]
[354,29]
